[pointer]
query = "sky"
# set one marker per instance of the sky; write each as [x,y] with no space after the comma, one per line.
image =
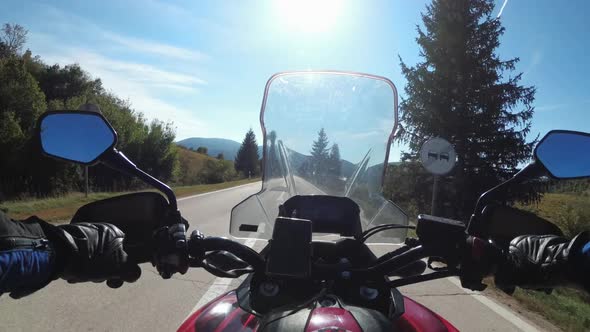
[204,64]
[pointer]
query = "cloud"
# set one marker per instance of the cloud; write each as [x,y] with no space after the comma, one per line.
[152,85]
[140,72]
[156,48]
[141,84]
[66,23]
[553,107]
[536,59]
[573,104]
[367,134]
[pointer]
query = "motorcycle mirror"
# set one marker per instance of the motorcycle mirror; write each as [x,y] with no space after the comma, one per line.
[80,137]
[562,154]
[86,137]
[565,154]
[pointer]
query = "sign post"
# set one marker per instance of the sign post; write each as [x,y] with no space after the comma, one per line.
[90,108]
[438,157]
[433,206]
[86,181]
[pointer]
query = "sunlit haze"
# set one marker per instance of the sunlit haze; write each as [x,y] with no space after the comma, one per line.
[308,16]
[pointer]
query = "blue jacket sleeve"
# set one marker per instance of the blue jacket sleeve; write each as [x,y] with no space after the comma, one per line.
[25,270]
[27,258]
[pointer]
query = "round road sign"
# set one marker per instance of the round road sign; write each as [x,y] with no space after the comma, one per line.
[438,156]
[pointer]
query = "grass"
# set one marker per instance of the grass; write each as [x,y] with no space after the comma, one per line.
[190,164]
[566,308]
[63,208]
[569,309]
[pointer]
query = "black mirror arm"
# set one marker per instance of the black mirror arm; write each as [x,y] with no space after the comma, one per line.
[117,160]
[531,171]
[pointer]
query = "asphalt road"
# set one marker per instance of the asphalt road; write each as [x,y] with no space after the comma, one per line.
[153,304]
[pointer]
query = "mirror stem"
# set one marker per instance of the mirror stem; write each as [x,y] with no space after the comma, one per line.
[118,161]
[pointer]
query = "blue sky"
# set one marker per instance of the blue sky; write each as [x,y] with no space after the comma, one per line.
[203,64]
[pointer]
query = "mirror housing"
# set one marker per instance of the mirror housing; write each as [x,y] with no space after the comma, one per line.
[565,154]
[78,136]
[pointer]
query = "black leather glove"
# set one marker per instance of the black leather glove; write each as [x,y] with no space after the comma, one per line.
[92,252]
[542,262]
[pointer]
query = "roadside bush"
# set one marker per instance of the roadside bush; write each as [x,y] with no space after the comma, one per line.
[217,171]
[568,211]
[574,217]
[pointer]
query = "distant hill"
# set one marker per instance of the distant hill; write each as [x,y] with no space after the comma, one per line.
[214,146]
[190,164]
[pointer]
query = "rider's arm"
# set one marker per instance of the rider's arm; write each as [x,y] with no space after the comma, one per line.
[546,261]
[27,258]
[33,252]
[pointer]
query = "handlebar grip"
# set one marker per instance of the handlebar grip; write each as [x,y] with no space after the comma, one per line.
[480,259]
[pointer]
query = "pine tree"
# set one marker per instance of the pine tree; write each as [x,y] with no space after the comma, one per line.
[462,91]
[273,156]
[334,160]
[320,154]
[246,161]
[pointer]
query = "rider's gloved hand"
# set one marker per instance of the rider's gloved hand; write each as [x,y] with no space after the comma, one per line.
[545,261]
[92,252]
[33,253]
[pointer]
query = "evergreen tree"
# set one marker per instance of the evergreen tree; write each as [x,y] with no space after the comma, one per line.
[273,156]
[246,161]
[334,160]
[320,154]
[462,91]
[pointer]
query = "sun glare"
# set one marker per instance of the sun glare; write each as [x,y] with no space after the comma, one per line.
[308,16]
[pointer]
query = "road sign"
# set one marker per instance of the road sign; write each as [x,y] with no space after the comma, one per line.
[438,156]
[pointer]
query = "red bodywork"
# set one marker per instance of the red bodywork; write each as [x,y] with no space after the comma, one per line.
[223,315]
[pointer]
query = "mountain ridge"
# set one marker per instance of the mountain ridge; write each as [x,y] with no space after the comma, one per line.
[215,145]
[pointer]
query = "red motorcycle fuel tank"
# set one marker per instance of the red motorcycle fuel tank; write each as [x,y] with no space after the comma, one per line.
[223,314]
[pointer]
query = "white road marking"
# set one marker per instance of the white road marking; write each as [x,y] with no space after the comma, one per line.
[497,308]
[216,191]
[218,287]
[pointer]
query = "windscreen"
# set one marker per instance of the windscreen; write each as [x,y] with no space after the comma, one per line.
[325,133]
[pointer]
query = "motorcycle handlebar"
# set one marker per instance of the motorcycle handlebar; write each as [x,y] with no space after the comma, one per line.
[471,250]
